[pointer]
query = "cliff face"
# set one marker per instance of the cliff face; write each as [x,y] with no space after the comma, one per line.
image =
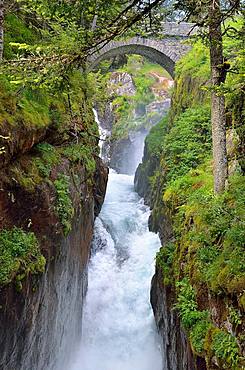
[52,186]
[40,323]
[176,351]
[197,291]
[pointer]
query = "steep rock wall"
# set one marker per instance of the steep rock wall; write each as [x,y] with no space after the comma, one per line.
[41,324]
[213,340]
[176,351]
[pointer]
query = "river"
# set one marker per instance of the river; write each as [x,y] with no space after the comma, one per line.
[118,325]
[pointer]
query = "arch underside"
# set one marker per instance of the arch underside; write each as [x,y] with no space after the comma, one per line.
[152,54]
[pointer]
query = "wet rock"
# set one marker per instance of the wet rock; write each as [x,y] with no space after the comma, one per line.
[37,329]
[176,352]
[121,83]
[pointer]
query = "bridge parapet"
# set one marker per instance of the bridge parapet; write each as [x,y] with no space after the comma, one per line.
[182,29]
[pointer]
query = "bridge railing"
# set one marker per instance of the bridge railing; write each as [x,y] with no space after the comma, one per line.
[171,30]
[182,29]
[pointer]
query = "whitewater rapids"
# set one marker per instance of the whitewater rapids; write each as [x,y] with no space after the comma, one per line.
[118,325]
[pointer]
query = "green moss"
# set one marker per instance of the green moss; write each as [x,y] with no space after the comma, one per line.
[210,229]
[33,108]
[26,107]
[27,176]
[64,206]
[83,154]
[195,63]
[16,30]
[154,140]
[31,171]
[187,143]
[49,157]
[164,260]
[19,255]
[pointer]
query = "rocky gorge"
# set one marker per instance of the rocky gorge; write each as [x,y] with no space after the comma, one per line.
[52,187]
[124,94]
[90,256]
[37,305]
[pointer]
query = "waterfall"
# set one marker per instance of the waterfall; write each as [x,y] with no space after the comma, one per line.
[118,326]
[104,134]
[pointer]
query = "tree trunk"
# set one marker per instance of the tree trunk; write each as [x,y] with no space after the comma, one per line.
[1,28]
[217,99]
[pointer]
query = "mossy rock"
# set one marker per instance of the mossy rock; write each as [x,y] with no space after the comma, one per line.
[20,255]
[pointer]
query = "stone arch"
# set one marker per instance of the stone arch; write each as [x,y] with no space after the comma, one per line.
[164,52]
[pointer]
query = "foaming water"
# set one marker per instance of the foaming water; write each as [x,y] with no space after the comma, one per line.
[118,325]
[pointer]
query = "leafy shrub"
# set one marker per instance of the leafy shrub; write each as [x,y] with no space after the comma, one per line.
[154,140]
[83,154]
[225,347]
[235,316]
[195,63]
[49,157]
[187,143]
[64,207]
[187,305]
[19,255]
[164,259]
[198,334]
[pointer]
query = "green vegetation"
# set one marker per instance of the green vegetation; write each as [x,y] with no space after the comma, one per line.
[29,106]
[154,141]
[16,31]
[188,142]
[205,259]
[210,230]
[144,78]
[32,113]
[199,332]
[195,63]
[49,157]
[187,305]
[33,106]
[164,260]
[196,322]
[226,349]
[64,207]
[136,64]
[19,256]
[81,153]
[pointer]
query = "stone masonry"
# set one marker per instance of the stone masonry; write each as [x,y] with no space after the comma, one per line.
[165,50]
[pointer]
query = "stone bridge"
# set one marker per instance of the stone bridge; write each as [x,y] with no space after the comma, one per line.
[164,50]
